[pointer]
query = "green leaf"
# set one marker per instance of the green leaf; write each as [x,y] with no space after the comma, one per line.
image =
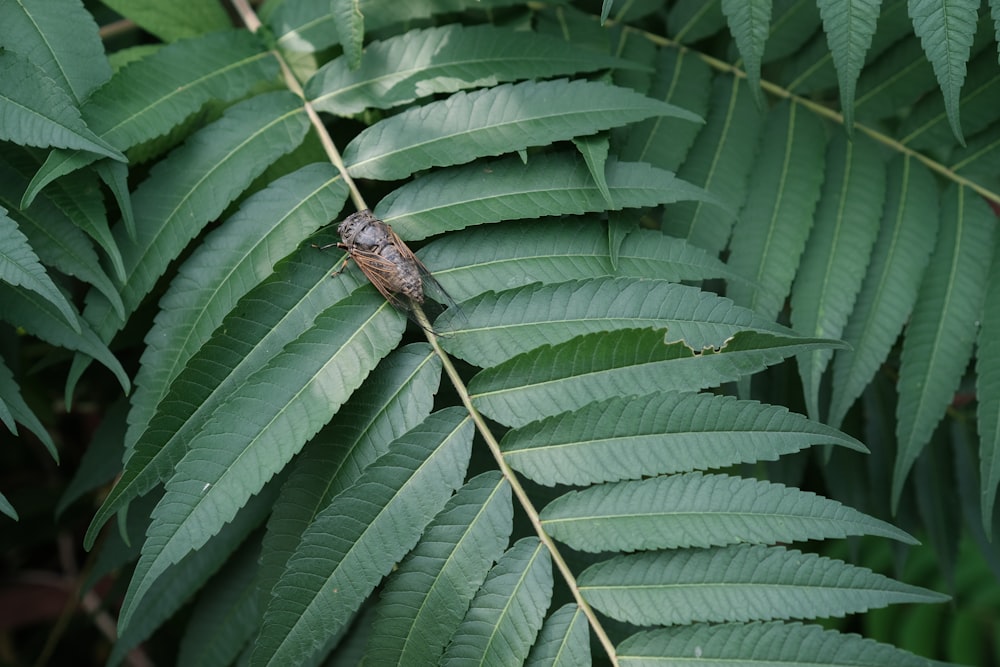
[7,509]
[946,29]
[350,24]
[268,318]
[849,27]
[78,197]
[445,59]
[695,510]
[234,313]
[893,24]
[737,583]
[649,254]
[121,547]
[927,126]
[906,237]
[721,160]
[629,437]
[255,431]
[308,25]
[423,603]
[237,255]
[39,317]
[680,78]
[499,326]
[101,461]
[58,241]
[837,252]
[498,257]
[115,176]
[498,120]
[395,398]
[979,159]
[8,391]
[151,96]
[995,12]
[175,20]
[192,186]
[225,615]
[180,581]
[14,408]
[357,539]
[749,21]
[223,65]
[61,38]
[552,184]
[793,25]
[508,611]
[553,379]
[897,79]
[606,9]
[19,266]
[594,150]
[37,112]
[692,20]
[988,395]
[773,643]
[566,23]
[812,70]
[941,332]
[771,232]
[633,46]
[563,640]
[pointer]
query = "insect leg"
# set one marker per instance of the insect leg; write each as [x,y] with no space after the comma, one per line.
[343,265]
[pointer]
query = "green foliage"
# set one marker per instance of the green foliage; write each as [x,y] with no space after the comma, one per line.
[644,211]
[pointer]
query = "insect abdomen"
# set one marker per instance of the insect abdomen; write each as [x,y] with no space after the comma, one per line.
[407,279]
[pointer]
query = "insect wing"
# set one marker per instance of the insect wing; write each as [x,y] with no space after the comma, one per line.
[389,273]
[380,272]
[432,288]
[434,291]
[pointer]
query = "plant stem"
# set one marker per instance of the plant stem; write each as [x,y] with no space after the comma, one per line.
[826,112]
[515,484]
[252,23]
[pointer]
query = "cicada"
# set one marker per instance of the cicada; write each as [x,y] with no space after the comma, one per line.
[388,263]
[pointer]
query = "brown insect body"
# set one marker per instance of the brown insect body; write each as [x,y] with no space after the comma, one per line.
[407,279]
[387,261]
